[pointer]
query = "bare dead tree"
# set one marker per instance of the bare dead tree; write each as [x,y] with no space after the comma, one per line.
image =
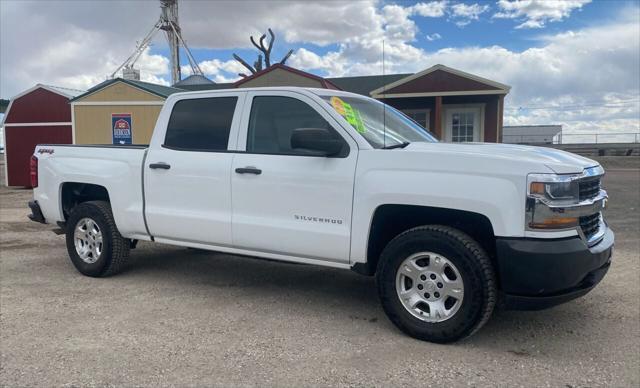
[265,50]
[284,59]
[245,64]
[258,64]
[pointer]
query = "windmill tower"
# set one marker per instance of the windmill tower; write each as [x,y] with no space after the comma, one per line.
[168,22]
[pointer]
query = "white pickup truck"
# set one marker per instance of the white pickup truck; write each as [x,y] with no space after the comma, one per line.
[336,179]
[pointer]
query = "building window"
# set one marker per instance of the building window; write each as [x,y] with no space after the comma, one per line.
[420,116]
[462,124]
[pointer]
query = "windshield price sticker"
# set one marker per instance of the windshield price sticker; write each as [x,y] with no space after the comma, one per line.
[338,105]
[352,115]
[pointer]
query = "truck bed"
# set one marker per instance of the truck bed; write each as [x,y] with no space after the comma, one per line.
[117,168]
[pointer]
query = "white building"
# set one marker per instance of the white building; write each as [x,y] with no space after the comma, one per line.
[531,134]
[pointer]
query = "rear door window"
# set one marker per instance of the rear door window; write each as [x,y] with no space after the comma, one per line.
[201,124]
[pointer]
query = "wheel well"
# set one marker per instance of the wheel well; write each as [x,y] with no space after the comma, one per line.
[74,193]
[391,220]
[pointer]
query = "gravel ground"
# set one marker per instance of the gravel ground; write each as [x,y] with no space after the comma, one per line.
[191,318]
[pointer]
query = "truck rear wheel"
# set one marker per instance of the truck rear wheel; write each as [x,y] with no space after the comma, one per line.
[436,283]
[95,246]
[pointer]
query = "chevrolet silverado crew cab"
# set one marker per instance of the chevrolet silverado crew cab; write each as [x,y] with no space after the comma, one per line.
[336,179]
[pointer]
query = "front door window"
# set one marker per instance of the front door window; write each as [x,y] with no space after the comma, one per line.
[272,121]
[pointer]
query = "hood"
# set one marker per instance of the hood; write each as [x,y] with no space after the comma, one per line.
[560,162]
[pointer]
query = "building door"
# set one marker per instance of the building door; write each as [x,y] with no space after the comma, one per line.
[285,200]
[463,125]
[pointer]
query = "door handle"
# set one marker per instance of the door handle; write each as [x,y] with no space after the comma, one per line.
[160,165]
[249,170]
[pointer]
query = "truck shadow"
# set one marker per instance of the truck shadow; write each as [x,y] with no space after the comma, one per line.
[204,270]
[343,295]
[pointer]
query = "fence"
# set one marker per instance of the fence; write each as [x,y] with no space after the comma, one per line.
[575,138]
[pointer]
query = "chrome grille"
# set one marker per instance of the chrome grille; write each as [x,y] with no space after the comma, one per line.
[590,225]
[589,188]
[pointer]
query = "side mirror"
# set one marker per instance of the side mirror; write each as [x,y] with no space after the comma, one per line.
[318,141]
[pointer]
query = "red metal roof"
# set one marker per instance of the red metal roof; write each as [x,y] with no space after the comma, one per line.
[38,105]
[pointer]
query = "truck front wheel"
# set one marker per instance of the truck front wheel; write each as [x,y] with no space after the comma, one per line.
[436,283]
[95,246]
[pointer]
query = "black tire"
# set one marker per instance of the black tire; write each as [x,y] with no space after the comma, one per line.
[469,258]
[115,248]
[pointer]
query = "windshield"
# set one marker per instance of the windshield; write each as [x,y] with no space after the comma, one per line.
[381,125]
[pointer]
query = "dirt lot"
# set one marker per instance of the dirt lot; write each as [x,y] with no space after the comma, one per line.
[182,317]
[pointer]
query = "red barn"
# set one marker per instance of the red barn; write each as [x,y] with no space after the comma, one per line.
[39,115]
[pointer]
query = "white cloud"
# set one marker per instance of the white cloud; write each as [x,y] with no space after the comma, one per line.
[217,70]
[464,14]
[397,24]
[88,46]
[531,24]
[152,64]
[434,9]
[154,79]
[228,24]
[471,11]
[586,79]
[83,51]
[536,13]
[363,54]
[213,67]
[89,43]
[562,68]
[328,64]
[434,36]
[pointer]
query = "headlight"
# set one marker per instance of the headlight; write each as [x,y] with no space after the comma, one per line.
[545,190]
[564,202]
[556,188]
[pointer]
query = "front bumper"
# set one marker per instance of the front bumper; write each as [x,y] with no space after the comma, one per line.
[538,273]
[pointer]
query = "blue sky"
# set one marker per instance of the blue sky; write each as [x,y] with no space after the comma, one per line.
[486,31]
[570,62]
[437,33]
